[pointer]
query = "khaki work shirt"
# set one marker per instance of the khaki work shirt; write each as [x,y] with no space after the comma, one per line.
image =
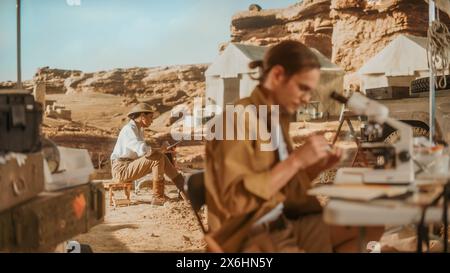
[237,179]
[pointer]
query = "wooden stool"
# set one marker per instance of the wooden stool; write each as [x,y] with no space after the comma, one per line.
[111,186]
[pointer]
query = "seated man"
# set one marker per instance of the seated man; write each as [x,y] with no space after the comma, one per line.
[132,158]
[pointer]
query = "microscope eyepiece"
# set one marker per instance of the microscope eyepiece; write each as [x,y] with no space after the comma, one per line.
[339,97]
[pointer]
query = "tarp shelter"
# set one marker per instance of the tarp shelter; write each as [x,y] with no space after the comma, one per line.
[400,62]
[229,78]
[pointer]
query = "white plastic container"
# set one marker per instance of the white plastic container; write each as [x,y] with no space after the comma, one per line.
[74,169]
[435,166]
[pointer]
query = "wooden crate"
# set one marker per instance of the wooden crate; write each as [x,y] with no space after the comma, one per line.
[21,183]
[51,218]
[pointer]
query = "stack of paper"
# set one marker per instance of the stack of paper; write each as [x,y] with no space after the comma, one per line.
[359,192]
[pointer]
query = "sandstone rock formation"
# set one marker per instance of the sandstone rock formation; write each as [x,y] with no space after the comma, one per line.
[11,85]
[348,31]
[254,7]
[126,82]
[163,87]
[362,28]
[308,21]
[166,86]
[54,78]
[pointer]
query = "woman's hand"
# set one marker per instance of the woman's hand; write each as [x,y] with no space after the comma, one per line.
[164,147]
[316,156]
[313,157]
[315,150]
[333,159]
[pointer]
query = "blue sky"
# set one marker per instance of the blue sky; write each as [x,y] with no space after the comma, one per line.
[105,34]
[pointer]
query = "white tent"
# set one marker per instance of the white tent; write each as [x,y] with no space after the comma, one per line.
[229,78]
[400,62]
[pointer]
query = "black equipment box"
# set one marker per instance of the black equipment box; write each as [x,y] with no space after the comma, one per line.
[385,93]
[422,85]
[20,122]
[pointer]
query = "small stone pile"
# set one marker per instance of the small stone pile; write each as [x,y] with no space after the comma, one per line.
[53,110]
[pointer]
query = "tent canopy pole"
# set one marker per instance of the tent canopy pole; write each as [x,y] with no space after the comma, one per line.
[19,62]
[432,18]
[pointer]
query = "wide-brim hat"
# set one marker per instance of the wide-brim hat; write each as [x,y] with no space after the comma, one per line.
[142,108]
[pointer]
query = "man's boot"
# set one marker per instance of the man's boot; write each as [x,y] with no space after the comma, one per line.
[179,182]
[158,192]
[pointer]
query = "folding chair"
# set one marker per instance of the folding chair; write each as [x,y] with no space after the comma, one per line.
[112,186]
[197,196]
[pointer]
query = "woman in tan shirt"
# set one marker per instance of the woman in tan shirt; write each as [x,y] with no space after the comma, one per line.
[256,198]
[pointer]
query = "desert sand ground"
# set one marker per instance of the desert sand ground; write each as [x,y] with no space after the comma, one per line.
[100,110]
[142,227]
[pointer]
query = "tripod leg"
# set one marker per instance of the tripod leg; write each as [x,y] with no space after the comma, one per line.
[338,132]
[445,215]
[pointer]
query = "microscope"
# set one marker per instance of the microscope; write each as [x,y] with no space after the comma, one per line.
[394,161]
